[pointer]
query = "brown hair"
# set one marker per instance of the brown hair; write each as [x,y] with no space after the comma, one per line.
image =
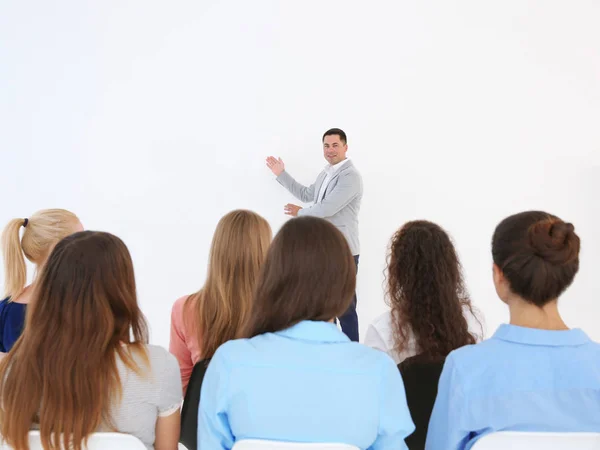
[41,232]
[426,291]
[221,307]
[63,369]
[538,254]
[309,274]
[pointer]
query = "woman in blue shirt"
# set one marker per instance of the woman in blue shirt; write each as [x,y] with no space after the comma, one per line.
[42,231]
[298,378]
[534,374]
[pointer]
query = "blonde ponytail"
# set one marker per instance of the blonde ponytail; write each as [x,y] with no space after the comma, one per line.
[42,232]
[15,270]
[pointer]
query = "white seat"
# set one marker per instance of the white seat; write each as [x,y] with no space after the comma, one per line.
[97,441]
[518,440]
[256,444]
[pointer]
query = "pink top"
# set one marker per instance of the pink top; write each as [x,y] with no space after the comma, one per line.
[183,344]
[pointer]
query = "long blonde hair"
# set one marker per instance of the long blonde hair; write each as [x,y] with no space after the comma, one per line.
[220,309]
[42,231]
[63,371]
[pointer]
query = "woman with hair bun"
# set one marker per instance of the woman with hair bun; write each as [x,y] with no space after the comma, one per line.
[534,374]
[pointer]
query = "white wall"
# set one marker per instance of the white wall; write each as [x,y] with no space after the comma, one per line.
[151,119]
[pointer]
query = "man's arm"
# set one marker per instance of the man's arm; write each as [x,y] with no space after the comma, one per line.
[301,192]
[298,190]
[348,187]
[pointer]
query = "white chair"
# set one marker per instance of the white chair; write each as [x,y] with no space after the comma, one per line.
[97,441]
[256,444]
[518,440]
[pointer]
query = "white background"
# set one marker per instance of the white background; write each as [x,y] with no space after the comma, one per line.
[151,119]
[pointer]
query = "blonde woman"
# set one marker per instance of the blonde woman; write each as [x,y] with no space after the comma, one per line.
[201,322]
[42,232]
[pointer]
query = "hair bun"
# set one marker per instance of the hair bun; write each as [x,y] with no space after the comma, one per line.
[555,241]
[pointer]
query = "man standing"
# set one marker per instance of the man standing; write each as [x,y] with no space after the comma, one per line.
[335,196]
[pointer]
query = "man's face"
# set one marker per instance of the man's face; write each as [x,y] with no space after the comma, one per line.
[334,149]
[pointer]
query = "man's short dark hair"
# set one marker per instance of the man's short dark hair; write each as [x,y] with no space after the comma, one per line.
[336,132]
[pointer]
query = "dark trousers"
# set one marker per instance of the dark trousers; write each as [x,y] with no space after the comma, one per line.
[349,320]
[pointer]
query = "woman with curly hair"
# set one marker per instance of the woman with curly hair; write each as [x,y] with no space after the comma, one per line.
[427,296]
[428,318]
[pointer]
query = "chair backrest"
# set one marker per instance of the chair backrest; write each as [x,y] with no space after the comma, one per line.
[256,444]
[191,402]
[421,377]
[97,441]
[517,440]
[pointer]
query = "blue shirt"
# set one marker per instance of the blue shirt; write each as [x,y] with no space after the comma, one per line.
[308,383]
[12,320]
[522,379]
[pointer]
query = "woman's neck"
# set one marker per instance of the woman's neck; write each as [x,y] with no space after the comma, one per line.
[525,314]
[25,296]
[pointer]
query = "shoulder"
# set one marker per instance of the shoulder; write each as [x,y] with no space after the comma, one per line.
[592,350]
[350,168]
[160,358]
[473,366]
[179,304]
[12,311]
[383,321]
[350,173]
[178,313]
[476,354]
[235,352]
[370,359]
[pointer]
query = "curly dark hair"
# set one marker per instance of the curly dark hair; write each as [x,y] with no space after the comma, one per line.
[426,291]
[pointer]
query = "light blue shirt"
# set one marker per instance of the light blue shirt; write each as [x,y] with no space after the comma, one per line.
[522,379]
[308,383]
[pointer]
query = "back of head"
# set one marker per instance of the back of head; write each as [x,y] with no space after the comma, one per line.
[64,367]
[309,274]
[426,291]
[41,233]
[239,247]
[538,254]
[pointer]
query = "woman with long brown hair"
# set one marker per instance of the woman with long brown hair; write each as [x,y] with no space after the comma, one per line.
[41,232]
[428,318]
[83,363]
[201,322]
[427,295]
[297,377]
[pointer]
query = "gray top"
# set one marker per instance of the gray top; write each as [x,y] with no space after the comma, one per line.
[156,394]
[340,203]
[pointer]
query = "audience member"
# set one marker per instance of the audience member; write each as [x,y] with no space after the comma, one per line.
[429,302]
[202,321]
[83,363]
[425,289]
[534,374]
[216,313]
[297,378]
[41,233]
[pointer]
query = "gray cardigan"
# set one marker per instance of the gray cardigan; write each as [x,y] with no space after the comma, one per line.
[340,204]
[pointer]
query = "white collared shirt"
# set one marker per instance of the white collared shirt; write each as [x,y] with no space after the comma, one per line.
[331,170]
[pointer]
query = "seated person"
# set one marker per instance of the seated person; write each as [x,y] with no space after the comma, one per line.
[430,306]
[41,232]
[83,363]
[206,319]
[534,374]
[297,378]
